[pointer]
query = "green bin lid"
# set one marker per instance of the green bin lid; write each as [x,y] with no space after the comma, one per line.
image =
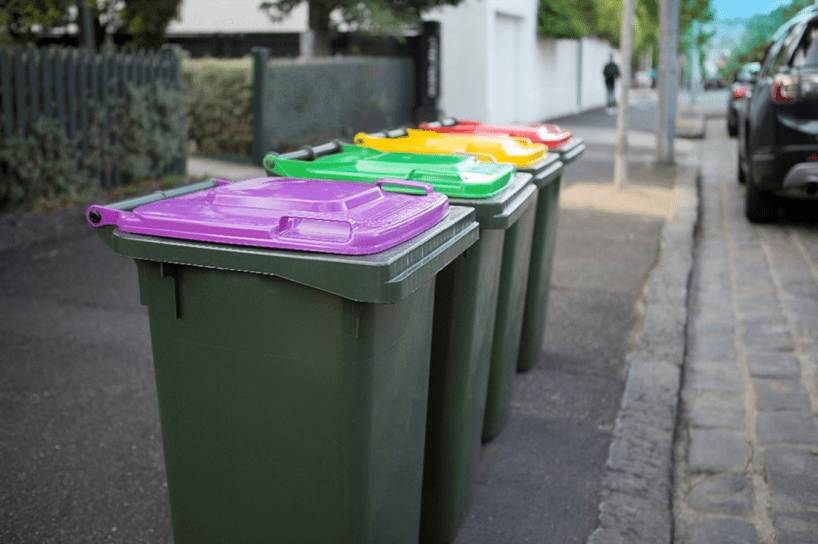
[456,176]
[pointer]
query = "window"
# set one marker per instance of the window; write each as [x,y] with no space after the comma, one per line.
[807,52]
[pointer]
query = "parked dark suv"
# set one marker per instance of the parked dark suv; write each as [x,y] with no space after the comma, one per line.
[778,127]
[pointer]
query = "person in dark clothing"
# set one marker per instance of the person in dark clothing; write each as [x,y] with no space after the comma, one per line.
[611,73]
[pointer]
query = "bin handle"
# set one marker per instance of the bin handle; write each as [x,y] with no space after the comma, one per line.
[314,227]
[415,173]
[522,140]
[397,133]
[425,187]
[362,137]
[308,152]
[100,216]
[269,161]
[476,155]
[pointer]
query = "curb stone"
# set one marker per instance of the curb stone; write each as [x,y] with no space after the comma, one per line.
[636,502]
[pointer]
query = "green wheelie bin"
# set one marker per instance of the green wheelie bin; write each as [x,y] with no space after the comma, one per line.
[546,169]
[547,176]
[291,328]
[475,302]
[568,148]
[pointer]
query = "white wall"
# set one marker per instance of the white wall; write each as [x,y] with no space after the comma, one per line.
[236,16]
[595,54]
[556,78]
[495,68]
[463,59]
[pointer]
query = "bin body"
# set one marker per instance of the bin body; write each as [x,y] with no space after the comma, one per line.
[471,317]
[292,385]
[517,252]
[276,423]
[478,306]
[548,177]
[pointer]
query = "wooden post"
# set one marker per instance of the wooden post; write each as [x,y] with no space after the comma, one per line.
[261,56]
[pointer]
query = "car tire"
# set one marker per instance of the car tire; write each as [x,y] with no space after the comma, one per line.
[759,205]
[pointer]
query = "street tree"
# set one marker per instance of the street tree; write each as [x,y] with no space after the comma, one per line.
[378,16]
[603,19]
[758,34]
[24,21]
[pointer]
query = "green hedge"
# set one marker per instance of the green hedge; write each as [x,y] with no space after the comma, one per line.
[219,98]
[147,135]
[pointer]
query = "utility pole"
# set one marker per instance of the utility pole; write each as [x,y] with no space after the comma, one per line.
[668,79]
[625,53]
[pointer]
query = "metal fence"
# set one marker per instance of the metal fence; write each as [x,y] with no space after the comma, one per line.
[75,88]
[303,102]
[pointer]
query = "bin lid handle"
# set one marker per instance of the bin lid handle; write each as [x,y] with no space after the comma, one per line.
[101,216]
[426,188]
[417,174]
[476,155]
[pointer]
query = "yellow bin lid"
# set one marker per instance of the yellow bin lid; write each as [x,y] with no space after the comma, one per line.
[518,151]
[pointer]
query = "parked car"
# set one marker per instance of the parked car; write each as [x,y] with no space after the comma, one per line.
[778,128]
[744,79]
[714,82]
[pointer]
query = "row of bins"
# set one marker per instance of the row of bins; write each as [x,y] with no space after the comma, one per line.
[332,343]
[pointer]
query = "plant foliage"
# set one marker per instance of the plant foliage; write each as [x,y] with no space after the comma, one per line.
[25,21]
[219,97]
[146,134]
[380,16]
[758,34]
[602,19]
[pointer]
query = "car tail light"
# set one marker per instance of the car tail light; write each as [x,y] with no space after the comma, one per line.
[788,87]
[739,92]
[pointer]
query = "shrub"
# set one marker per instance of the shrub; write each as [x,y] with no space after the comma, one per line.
[149,131]
[46,164]
[219,98]
[147,135]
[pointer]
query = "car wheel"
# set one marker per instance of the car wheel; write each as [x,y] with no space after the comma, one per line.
[760,205]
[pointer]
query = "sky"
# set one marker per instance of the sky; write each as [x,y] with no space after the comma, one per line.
[728,9]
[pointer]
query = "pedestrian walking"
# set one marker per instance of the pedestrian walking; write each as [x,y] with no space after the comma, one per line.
[611,73]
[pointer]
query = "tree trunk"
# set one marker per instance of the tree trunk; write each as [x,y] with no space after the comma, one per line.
[319,24]
[626,49]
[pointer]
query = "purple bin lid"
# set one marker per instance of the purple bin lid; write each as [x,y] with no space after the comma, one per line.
[290,213]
